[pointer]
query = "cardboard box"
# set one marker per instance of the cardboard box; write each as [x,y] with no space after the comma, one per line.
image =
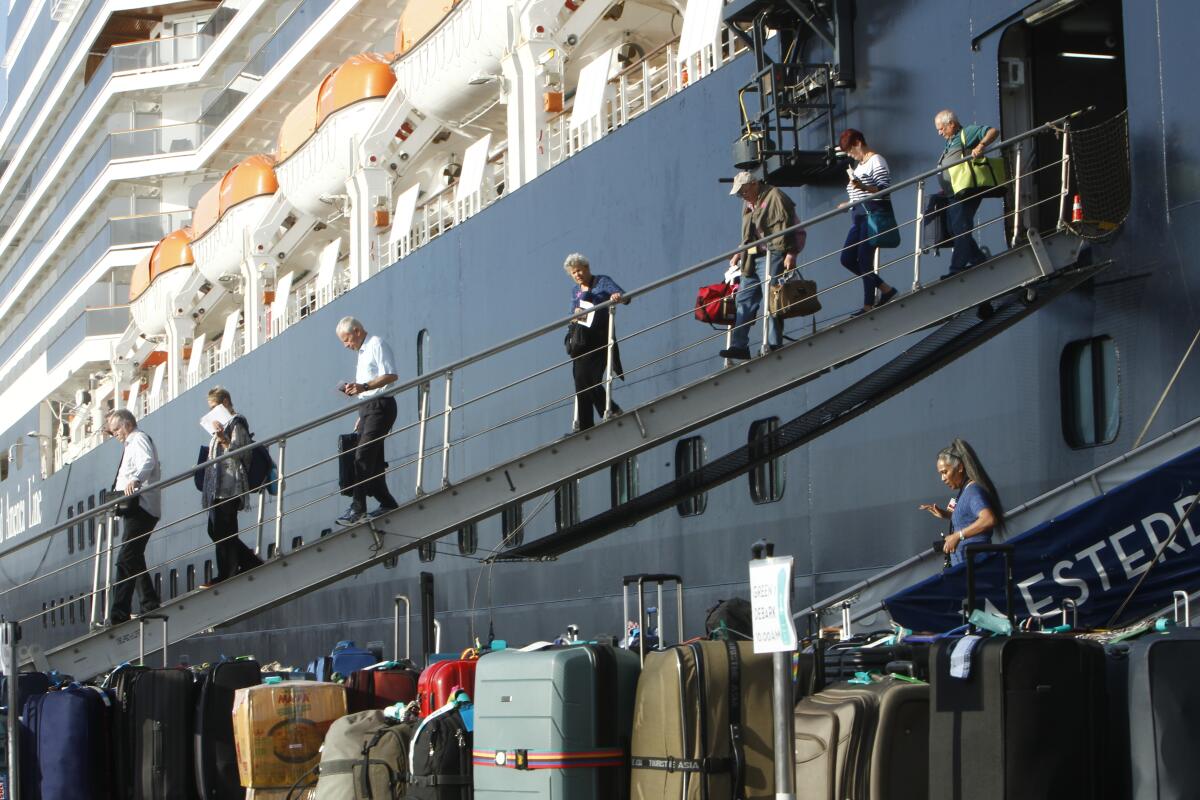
[278,729]
[280,794]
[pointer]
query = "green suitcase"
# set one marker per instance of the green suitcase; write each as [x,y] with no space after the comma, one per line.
[554,724]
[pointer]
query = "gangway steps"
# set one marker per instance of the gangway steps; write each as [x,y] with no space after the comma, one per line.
[350,551]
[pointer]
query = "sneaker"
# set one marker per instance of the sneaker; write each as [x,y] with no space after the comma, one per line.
[741,353]
[351,518]
[379,512]
[886,296]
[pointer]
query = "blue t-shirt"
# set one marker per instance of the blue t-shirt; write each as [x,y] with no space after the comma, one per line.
[972,501]
[603,287]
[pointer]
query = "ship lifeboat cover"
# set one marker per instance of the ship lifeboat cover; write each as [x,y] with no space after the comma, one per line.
[419,18]
[361,77]
[252,177]
[174,251]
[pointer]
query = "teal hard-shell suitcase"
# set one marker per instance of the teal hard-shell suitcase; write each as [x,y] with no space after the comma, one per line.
[554,724]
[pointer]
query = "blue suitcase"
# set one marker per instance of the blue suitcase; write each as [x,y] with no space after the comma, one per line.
[346,658]
[67,745]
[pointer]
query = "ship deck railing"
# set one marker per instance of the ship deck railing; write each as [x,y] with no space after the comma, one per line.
[441,499]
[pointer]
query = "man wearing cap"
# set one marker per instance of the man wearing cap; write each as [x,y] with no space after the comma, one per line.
[765,211]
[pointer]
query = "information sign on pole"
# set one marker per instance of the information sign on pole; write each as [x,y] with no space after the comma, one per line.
[771,604]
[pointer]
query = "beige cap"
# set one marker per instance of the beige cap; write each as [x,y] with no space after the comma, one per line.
[740,180]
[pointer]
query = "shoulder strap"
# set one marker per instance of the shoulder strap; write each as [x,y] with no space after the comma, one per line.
[735,718]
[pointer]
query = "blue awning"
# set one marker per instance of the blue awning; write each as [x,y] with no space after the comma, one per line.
[1093,554]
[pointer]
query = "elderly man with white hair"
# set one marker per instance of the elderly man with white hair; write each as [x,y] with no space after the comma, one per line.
[376,415]
[960,214]
[139,468]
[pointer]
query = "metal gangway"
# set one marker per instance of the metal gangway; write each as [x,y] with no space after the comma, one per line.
[1035,255]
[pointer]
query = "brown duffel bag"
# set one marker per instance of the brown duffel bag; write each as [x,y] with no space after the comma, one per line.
[794,298]
[703,724]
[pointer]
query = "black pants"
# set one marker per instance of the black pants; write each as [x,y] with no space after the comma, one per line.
[131,566]
[233,556]
[589,386]
[376,417]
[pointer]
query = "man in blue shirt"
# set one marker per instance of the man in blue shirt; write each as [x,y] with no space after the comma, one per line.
[960,214]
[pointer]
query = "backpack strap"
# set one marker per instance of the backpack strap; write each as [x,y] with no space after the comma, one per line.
[735,718]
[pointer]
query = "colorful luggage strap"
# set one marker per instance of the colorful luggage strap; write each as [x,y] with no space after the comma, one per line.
[672,764]
[524,760]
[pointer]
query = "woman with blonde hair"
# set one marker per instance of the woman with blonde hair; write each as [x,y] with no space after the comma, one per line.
[227,490]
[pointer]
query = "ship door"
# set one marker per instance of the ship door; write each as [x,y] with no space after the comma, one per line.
[1062,56]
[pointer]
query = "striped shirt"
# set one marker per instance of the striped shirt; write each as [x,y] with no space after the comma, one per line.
[872,172]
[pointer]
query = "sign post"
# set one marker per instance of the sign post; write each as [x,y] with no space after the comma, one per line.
[9,664]
[774,632]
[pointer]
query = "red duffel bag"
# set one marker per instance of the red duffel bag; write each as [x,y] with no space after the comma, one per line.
[715,304]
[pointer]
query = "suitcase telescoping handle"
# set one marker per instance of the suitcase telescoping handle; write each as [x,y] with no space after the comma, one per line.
[1005,550]
[640,582]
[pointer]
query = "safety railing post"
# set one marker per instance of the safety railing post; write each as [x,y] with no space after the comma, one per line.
[108,575]
[1065,178]
[446,431]
[281,464]
[1016,226]
[764,286]
[262,511]
[918,236]
[608,368]
[422,422]
[101,525]
[396,601]
[11,635]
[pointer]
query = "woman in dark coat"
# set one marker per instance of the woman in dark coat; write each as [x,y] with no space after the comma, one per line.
[226,490]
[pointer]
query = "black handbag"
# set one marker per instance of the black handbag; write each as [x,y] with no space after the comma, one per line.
[198,475]
[577,340]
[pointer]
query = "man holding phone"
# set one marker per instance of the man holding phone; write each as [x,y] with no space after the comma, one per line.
[376,416]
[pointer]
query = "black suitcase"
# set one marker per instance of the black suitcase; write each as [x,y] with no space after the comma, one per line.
[1154,704]
[156,727]
[347,444]
[1029,721]
[121,681]
[845,660]
[215,753]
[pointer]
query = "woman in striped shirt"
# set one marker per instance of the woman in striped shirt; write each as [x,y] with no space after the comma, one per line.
[870,175]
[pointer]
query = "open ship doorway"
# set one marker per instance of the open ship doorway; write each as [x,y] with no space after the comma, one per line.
[1062,57]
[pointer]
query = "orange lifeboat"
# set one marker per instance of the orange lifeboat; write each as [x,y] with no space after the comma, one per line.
[314,158]
[418,19]
[156,280]
[235,203]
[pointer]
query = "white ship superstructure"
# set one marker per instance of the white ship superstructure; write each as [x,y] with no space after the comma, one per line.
[181,181]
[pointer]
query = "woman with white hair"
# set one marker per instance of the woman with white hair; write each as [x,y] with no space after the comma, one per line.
[589,367]
[975,513]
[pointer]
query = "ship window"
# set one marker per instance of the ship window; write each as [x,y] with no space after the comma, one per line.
[689,457]
[82,609]
[174,581]
[91,524]
[511,528]
[297,542]
[566,504]
[270,550]
[53,619]
[191,577]
[45,621]
[325,532]
[623,481]
[158,583]
[427,551]
[71,609]
[1091,413]
[208,570]
[70,532]
[62,611]
[766,478]
[468,539]
[4,466]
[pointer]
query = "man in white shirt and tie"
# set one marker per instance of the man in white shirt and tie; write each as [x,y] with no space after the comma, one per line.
[376,414]
[139,468]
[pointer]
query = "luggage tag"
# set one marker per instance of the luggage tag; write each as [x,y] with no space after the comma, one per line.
[995,623]
[960,656]
[466,709]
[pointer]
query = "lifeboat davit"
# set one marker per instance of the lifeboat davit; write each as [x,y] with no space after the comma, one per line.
[315,156]
[450,53]
[157,279]
[226,211]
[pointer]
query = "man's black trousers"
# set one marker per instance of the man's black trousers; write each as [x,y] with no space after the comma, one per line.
[131,566]
[376,417]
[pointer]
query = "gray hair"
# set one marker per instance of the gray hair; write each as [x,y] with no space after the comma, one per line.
[961,454]
[347,324]
[124,415]
[575,260]
[945,117]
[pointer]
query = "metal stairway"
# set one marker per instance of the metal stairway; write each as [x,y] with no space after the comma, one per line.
[431,514]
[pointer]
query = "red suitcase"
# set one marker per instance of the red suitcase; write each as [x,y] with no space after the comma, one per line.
[443,677]
[715,304]
[380,687]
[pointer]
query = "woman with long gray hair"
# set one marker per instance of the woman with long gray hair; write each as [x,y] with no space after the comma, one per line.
[975,514]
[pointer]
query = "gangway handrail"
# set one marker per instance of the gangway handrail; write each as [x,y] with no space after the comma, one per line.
[848,593]
[454,366]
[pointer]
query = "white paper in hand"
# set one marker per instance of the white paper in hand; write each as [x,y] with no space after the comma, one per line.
[586,322]
[220,414]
